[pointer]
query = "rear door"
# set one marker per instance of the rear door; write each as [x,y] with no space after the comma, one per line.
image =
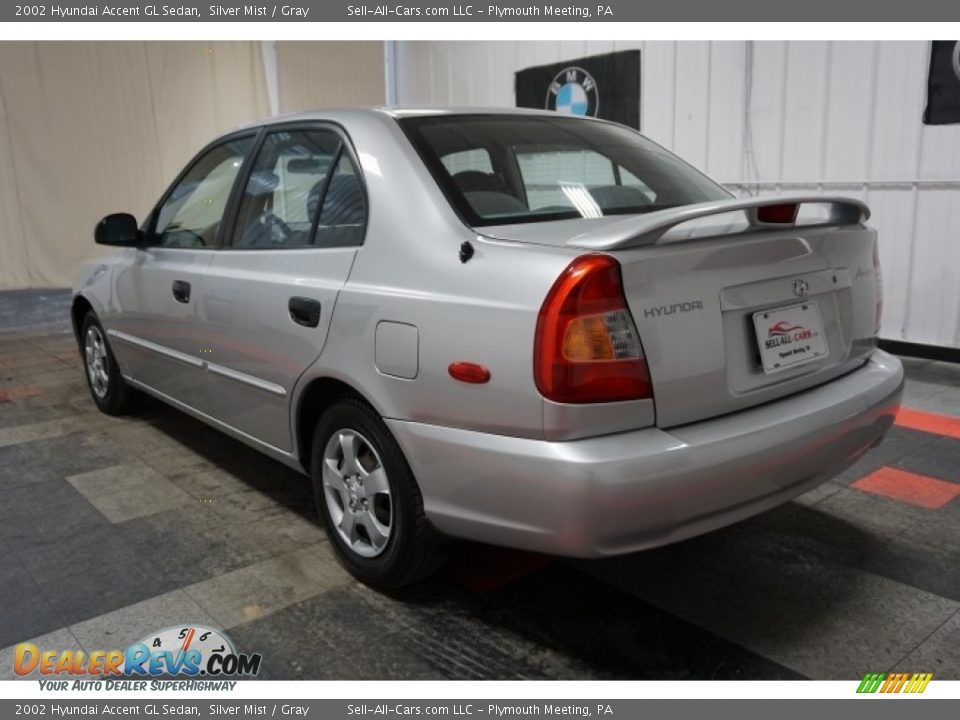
[156,332]
[270,292]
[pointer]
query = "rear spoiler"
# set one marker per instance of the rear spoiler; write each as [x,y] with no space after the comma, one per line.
[651,229]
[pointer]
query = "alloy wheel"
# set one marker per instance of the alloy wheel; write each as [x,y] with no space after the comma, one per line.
[95,353]
[357,493]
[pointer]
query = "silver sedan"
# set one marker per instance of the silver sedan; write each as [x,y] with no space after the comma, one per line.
[514,327]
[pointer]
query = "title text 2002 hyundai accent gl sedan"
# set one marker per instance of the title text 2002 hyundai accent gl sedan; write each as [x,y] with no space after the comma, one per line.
[520,328]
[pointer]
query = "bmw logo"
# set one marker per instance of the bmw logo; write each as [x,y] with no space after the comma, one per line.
[573,91]
[800,288]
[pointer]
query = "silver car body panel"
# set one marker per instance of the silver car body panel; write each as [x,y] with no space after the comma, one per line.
[276,453]
[496,461]
[245,322]
[146,311]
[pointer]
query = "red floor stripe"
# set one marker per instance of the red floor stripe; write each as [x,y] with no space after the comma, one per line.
[919,490]
[14,392]
[929,422]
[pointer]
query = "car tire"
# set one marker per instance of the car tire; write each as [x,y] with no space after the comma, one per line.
[369,500]
[109,390]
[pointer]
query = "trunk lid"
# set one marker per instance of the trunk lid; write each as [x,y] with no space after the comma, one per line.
[715,292]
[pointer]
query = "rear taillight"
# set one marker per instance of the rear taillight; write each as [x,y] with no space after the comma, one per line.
[878,276]
[587,348]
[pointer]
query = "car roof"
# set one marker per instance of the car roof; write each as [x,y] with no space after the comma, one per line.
[346,113]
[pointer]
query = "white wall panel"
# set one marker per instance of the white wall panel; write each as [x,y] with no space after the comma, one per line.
[805,107]
[940,152]
[725,158]
[897,109]
[777,118]
[766,112]
[932,307]
[892,210]
[848,132]
[657,89]
[692,101]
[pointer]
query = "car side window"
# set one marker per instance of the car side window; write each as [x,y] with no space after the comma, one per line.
[343,213]
[191,215]
[296,181]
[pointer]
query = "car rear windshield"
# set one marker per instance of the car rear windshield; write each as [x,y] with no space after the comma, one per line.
[502,169]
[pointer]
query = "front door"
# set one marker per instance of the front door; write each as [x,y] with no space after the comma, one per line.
[156,332]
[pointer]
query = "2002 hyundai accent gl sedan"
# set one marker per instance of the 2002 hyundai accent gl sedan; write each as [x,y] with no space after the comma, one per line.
[520,328]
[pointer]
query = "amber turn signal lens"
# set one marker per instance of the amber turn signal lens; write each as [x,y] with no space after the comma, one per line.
[587,339]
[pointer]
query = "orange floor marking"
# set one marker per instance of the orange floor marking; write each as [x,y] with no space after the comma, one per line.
[919,490]
[14,392]
[929,422]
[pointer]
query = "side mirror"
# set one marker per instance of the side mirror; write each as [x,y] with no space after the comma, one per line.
[117,229]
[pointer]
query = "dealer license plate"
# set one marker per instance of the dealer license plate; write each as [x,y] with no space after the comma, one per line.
[789,336]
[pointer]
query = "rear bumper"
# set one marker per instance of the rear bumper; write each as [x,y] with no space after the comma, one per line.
[629,491]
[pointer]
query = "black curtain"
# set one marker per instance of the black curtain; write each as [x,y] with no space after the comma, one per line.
[604,86]
[943,84]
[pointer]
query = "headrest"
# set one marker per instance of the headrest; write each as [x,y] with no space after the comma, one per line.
[262,182]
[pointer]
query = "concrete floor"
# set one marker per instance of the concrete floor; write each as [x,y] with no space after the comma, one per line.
[113,528]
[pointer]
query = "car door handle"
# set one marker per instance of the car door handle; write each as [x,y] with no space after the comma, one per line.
[304,311]
[181,291]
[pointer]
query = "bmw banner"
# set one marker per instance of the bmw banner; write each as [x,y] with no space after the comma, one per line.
[943,84]
[603,86]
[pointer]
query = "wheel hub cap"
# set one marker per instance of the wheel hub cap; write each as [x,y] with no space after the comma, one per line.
[357,493]
[95,356]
